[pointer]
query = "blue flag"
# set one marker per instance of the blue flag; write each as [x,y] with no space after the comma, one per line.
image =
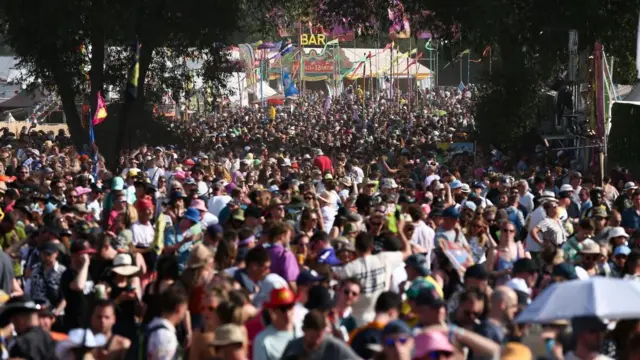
[288,85]
[461,86]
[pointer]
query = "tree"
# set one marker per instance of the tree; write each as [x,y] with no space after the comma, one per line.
[48,39]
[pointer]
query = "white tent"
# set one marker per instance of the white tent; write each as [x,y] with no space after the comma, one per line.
[242,94]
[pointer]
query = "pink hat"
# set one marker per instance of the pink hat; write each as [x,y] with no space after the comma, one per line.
[199,205]
[179,175]
[81,190]
[430,341]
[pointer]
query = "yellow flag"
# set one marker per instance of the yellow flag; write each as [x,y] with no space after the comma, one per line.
[272,113]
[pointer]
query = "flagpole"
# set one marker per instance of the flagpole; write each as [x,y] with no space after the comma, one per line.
[261,81]
[391,70]
[364,93]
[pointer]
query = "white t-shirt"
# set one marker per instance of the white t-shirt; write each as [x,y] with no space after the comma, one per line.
[534,219]
[328,217]
[163,343]
[217,203]
[429,179]
[142,234]
[424,236]
[96,209]
[374,273]
[299,312]
[358,174]
[526,201]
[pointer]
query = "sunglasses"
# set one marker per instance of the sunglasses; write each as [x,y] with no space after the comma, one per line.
[350,293]
[508,230]
[308,197]
[391,342]
[590,257]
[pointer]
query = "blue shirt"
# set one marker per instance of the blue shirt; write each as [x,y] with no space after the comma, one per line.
[630,219]
[172,236]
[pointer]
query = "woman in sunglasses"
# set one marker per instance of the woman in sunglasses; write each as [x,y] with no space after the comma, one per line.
[501,259]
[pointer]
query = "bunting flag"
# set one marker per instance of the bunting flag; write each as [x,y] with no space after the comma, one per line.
[487,51]
[101,111]
[134,74]
[288,85]
[389,46]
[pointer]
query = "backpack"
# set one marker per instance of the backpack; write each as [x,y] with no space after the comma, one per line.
[138,348]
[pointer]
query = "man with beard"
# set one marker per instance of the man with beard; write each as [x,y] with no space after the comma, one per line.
[589,332]
[504,305]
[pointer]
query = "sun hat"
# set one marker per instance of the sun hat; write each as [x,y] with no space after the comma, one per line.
[388,183]
[566,187]
[192,214]
[229,334]
[17,305]
[589,246]
[123,265]
[280,297]
[431,341]
[630,186]
[199,205]
[616,232]
[465,188]
[200,256]
[78,338]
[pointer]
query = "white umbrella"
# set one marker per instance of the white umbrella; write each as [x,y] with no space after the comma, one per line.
[606,298]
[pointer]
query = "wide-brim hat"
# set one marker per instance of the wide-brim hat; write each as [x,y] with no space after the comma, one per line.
[123,265]
[17,305]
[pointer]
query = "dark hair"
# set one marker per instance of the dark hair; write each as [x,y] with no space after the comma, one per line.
[257,255]
[415,212]
[632,262]
[314,320]
[104,303]
[586,224]
[388,301]
[172,297]
[364,242]
[352,280]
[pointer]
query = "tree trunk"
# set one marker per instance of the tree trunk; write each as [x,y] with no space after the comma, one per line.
[68,97]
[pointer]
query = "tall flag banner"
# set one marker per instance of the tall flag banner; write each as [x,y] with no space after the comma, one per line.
[427,46]
[487,51]
[288,85]
[134,74]
[101,111]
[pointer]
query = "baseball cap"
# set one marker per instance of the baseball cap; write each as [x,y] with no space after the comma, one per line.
[308,277]
[395,327]
[455,184]
[451,212]
[418,262]
[81,246]
[622,250]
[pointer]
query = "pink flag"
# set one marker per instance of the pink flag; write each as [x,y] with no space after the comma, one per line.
[101,111]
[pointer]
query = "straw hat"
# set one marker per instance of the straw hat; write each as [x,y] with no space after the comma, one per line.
[123,265]
[199,257]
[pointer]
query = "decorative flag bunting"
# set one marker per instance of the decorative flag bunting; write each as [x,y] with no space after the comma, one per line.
[101,111]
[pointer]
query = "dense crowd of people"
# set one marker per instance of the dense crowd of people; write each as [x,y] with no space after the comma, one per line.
[311,231]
